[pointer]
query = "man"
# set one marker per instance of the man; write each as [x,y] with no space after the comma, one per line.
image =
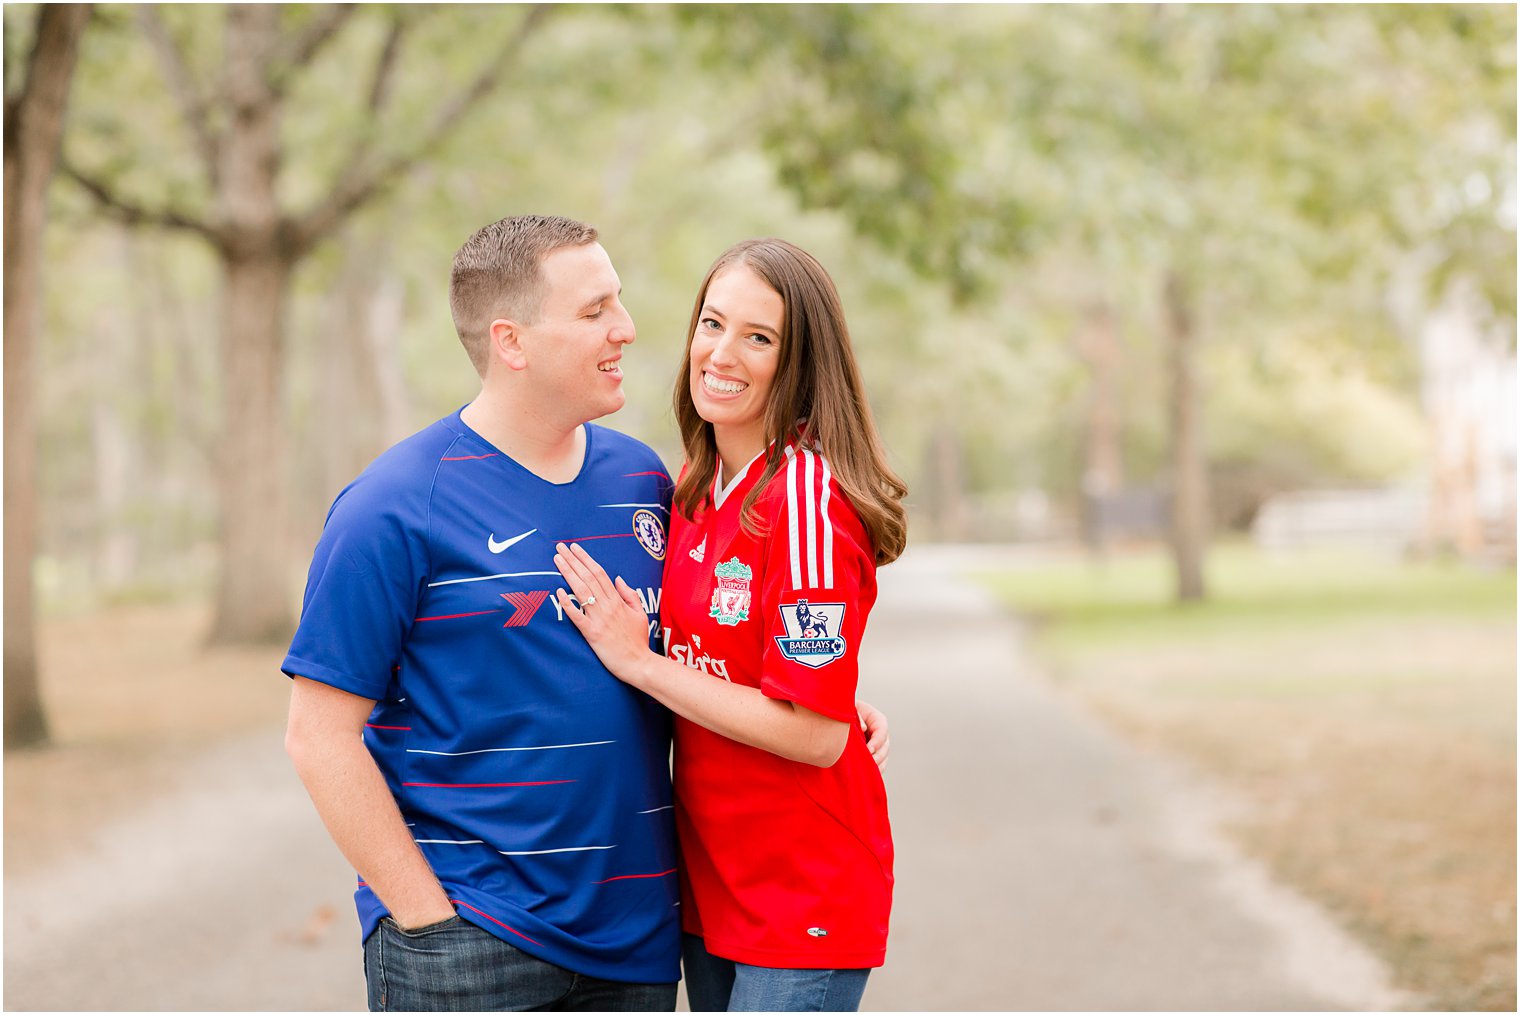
[505,800]
[508,806]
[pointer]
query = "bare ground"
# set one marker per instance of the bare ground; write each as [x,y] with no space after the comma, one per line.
[131,699]
[1391,800]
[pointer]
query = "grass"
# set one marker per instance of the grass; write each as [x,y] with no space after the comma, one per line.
[1129,598]
[1364,710]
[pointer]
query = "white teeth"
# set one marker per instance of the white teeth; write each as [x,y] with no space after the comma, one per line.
[716,386]
[608,368]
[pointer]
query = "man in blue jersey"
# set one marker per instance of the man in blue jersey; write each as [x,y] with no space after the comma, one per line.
[505,800]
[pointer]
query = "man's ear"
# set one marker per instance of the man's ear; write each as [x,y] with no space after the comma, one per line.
[504,338]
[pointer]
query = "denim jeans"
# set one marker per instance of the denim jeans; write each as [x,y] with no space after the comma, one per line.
[456,966]
[717,984]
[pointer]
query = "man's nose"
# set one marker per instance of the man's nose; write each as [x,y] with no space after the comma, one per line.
[623,331]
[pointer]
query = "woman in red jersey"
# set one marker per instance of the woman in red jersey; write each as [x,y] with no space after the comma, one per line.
[784,509]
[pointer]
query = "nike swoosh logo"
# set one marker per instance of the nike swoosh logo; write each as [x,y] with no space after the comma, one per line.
[496,547]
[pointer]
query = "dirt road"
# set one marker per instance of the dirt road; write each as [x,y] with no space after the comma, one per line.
[1043,864]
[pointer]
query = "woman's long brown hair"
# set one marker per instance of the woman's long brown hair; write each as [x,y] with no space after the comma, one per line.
[817,384]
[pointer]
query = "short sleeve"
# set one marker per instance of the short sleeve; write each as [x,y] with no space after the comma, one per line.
[817,572]
[361,593]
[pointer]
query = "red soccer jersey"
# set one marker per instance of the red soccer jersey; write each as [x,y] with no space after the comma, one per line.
[784,864]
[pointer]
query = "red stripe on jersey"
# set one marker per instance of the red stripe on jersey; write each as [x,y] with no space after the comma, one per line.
[625,877]
[630,475]
[470,458]
[587,539]
[456,616]
[374,727]
[484,785]
[488,916]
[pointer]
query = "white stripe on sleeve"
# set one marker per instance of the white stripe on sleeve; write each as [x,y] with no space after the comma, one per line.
[812,522]
[791,515]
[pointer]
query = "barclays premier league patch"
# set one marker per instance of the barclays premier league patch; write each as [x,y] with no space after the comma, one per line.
[650,533]
[812,632]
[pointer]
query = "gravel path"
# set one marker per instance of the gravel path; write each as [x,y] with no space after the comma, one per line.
[1043,864]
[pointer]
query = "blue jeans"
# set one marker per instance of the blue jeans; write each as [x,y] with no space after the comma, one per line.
[716,984]
[456,966]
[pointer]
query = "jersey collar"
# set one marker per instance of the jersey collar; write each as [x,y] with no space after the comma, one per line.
[720,492]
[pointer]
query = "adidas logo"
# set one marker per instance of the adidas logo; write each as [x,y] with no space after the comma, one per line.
[700,552]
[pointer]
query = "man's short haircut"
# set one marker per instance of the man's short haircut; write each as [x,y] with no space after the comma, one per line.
[498,273]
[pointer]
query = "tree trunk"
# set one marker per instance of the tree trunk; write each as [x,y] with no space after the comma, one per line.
[339,430]
[253,602]
[947,485]
[363,405]
[1455,362]
[1103,466]
[384,314]
[117,468]
[33,127]
[1189,474]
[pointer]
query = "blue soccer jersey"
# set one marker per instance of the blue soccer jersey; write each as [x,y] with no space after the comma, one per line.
[536,784]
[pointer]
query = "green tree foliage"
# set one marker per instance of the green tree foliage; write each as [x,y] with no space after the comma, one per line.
[1256,164]
[986,183]
[277,149]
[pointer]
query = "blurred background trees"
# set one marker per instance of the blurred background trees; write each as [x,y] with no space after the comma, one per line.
[1110,271]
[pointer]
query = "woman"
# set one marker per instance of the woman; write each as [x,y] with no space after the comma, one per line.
[783,511]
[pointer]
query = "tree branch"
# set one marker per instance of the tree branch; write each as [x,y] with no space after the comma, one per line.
[132,214]
[302,48]
[191,105]
[380,82]
[361,180]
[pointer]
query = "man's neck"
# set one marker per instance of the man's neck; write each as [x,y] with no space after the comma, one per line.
[542,446]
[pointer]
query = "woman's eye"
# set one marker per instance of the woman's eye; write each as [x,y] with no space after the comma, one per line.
[710,324]
[759,339]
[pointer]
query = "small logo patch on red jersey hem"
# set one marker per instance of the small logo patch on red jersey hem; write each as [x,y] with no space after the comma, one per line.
[731,598]
[812,632]
[650,532]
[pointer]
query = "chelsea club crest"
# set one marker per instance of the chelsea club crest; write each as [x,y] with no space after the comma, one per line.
[650,533]
[730,601]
